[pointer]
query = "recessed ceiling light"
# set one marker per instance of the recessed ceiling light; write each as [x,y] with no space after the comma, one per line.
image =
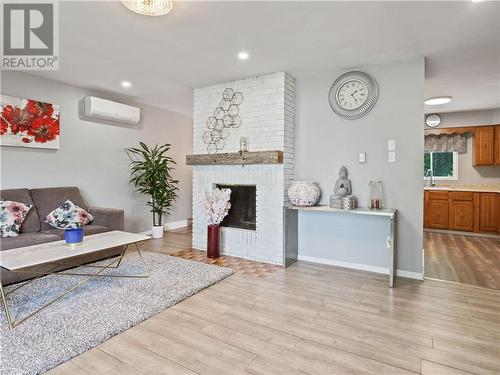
[438,100]
[476,1]
[243,55]
[126,84]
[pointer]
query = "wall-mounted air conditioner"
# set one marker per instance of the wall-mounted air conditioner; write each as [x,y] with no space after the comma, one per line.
[102,109]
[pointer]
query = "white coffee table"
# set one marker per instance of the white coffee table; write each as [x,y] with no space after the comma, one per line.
[58,253]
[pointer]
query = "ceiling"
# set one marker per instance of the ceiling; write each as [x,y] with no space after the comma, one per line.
[103,43]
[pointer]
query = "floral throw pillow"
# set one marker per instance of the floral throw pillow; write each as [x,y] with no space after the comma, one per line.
[12,215]
[67,216]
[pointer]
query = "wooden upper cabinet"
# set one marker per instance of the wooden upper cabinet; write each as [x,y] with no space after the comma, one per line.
[484,145]
[488,213]
[497,145]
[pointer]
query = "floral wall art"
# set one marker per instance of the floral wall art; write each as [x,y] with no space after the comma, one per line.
[28,123]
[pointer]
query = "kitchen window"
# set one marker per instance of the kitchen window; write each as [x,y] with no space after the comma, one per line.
[443,164]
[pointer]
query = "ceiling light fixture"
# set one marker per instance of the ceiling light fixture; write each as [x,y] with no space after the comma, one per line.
[476,1]
[126,84]
[149,7]
[438,100]
[243,55]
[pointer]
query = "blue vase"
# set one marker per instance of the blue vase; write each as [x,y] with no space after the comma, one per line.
[73,235]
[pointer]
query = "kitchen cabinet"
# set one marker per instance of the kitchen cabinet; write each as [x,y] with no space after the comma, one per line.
[462,211]
[484,145]
[497,145]
[461,216]
[437,210]
[488,213]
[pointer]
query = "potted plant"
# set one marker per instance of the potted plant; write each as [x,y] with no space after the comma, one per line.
[151,175]
[217,206]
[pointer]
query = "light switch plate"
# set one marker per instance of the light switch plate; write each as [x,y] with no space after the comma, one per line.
[362,157]
[391,145]
[392,156]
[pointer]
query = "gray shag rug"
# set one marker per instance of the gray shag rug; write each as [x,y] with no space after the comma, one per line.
[95,312]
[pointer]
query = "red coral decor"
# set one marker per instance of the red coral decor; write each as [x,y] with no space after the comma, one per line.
[25,122]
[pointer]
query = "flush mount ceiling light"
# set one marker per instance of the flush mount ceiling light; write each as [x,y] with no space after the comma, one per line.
[126,84]
[438,100]
[243,55]
[149,7]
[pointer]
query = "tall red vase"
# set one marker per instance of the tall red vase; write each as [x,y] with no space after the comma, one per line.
[213,243]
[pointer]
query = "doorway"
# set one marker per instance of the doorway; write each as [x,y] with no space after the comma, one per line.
[462,204]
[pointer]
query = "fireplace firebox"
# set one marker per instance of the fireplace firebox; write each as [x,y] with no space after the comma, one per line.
[243,207]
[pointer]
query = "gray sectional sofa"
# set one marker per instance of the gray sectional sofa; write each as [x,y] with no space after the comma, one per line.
[34,231]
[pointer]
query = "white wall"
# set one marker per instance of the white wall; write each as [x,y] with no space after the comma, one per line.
[469,118]
[325,142]
[467,173]
[92,155]
[495,116]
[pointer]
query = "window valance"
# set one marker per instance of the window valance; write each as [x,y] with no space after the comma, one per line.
[446,142]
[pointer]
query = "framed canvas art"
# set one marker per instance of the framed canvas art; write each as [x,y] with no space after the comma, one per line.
[28,123]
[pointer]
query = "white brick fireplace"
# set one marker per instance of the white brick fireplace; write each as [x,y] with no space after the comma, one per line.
[268,122]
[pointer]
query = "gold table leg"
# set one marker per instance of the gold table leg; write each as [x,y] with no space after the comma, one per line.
[12,324]
[7,312]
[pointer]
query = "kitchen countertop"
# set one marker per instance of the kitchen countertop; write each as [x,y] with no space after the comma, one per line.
[478,188]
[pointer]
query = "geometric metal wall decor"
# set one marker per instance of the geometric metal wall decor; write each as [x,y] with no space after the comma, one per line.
[225,117]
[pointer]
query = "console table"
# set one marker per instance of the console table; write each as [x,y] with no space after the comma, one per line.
[291,230]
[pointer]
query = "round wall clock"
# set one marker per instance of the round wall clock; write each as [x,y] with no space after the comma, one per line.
[432,120]
[353,94]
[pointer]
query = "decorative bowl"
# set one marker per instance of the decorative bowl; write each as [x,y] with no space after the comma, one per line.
[304,193]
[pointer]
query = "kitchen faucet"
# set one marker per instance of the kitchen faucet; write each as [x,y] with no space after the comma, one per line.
[430,181]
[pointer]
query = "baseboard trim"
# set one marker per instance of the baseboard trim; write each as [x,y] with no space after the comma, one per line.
[170,226]
[176,224]
[461,233]
[361,267]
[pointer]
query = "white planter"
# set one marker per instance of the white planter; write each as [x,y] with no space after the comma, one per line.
[157,231]
[304,193]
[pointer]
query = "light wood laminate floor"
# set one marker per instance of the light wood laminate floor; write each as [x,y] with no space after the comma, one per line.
[308,319]
[463,259]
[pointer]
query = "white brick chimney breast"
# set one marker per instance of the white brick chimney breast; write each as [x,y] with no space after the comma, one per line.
[268,122]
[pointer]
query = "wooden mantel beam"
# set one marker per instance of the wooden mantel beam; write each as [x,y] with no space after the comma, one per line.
[236,158]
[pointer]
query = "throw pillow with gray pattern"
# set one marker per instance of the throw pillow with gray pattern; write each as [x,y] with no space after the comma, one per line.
[67,216]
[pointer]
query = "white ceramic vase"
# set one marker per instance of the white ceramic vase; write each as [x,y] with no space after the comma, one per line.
[304,193]
[157,231]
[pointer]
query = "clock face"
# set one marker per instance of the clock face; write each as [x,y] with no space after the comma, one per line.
[352,95]
[433,120]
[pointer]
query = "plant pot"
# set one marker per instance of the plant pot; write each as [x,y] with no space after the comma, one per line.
[157,231]
[213,241]
[73,235]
